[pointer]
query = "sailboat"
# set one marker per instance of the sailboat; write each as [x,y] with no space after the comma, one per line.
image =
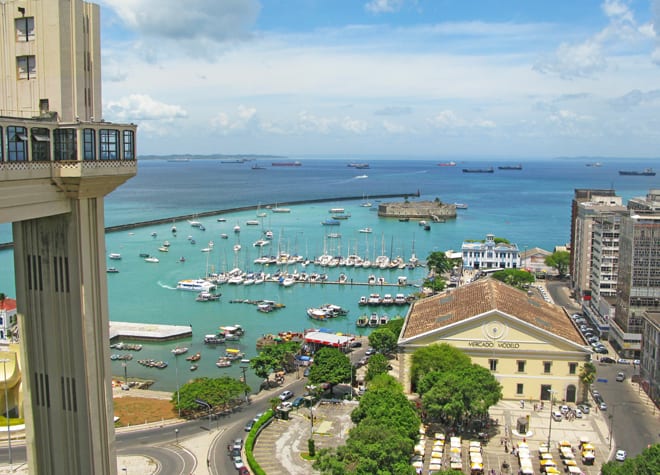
[413,261]
[365,202]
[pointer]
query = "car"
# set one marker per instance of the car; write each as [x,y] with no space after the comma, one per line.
[620,376]
[248,427]
[620,455]
[238,463]
[575,316]
[564,409]
[578,413]
[286,405]
[370,351]
[601,350]
[636,362]
[297,402]
[237,444]
[584,408]
[623,361]
[285,395]
[243,471]
[233,453]
[607,359]
[356,344]
[557,416]
[592,339]
[602,406]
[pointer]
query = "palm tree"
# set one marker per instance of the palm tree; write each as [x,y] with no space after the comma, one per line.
[587,377]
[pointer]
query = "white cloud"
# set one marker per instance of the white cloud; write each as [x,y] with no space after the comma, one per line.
[394,128]
[394,110]
[569,123]
[655,28]
[383,6]
[190,20]
[354,125]
[246,119]
[571,61]
[447,119]
[141,107]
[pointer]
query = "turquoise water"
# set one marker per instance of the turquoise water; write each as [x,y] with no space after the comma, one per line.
[530,207]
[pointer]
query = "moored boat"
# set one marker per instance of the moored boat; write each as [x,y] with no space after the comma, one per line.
[180,350]
[114,256]
[154,260]
[195,357]
[362,321]
[112,270]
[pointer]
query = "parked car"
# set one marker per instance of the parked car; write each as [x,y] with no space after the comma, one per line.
[607,359]
[620,455]
[248,427]
[602,406]
[297,402]
[370,351]
[285,395]
[578,412]
[620,376]
[356,344]
[564,409]
[557,416]
[286,405]
[623,361]
[243,471]
[238,463]
[584,408]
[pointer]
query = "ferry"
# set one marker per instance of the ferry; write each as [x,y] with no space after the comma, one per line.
[359,166]
[195,285]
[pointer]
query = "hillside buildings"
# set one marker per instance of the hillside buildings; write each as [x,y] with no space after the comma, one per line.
[58,159]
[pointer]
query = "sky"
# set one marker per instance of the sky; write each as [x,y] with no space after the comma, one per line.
[420,78]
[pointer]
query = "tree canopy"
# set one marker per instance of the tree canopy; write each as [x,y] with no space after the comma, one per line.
[330,366]
[219,393]
[377,365]
[587,377]
[515,277]
[387,427]
[383,340]
[559,260]
[274,357]
[437,357]
[439,263]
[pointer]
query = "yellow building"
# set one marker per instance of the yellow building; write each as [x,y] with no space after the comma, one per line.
[531,347]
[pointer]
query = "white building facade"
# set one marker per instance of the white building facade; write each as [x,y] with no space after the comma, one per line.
[490,255]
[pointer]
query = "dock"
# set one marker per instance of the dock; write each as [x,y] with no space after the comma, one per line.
[148,331]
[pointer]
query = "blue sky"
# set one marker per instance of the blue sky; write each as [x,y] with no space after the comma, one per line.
[437,78]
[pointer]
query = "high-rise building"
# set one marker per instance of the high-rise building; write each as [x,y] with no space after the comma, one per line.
[650,360]
[638,287]
[58,159]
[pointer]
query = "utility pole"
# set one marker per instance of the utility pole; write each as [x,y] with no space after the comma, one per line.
[247,399]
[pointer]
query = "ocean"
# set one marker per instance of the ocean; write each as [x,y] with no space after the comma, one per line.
[530,207]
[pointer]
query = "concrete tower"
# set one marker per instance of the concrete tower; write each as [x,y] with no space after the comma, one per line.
[58,159]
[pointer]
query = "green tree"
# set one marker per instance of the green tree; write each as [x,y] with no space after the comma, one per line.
[377,365]
[439,263]
[559,260]
[515,277]
[460,393]
[263,364]
[435,283]
[383,340]
[646,463]
[436,357]
[587,377]
[394,325]
[330,366]
[219,393]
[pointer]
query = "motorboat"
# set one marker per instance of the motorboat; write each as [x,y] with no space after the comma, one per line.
[366,230]
[237,247]
[223,362]
[163,249]
[195,357]
[154,260]
[214,339]
[252,222]
[115,256]
[237,229]
[179,350]
[195,285]
[362,321]
[261,243]
[112,270]
[207,297]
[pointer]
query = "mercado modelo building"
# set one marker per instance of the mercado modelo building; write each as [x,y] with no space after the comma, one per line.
[532,347]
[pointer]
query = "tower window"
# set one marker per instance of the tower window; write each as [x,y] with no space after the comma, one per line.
[40,144]
[16,144]
[89,144]
[26,67]
[24,29]
[129,146]
[109,142]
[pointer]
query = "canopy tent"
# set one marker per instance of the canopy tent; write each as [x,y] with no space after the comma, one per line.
[328,339]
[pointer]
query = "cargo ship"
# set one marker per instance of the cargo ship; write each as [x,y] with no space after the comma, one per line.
[286,164]
[478,170]
[510,167]
[645,172]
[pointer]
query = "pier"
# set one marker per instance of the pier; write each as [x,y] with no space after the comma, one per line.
[148,331]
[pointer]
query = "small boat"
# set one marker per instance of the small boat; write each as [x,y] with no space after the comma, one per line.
[206,249]
[447,164]
[112,270]
[404,220]
[195,357]
[374,320]
[144,254]
[223,362]
[195,285]
[207,297]
[237,247]
[361,177]
[174,229]
[510,167]
[594,164]
[330,222]
[182,259]
[154,234]
[461,205]
[193,367]
[281,210]
[362,321]
[166,244]
[214,339]
[286,164]
[151,259]
[114,256]
[222,220]
[261,243]
[237,229]
[336,210]
[252,222]
[179,350]
[163,249]
[366,230]
[224,236]
[195,224]
[334,235]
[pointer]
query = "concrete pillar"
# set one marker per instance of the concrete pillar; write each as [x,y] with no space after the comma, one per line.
[62,302]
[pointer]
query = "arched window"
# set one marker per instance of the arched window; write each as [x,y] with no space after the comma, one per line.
[571,392]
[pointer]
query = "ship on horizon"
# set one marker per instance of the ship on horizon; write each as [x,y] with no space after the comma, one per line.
[645,172]
[286,164]
[510,167]
[447,164]
[478,170]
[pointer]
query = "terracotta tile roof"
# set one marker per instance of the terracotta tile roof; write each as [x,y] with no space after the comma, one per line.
[483,296]
[8,304]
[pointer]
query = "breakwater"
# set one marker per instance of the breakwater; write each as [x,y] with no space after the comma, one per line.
[185,217]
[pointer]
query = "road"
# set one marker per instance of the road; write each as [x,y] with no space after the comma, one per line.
[634,423]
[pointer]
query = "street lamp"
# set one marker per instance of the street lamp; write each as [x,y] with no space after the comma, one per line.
[4,366]
[125,366]
[247,399]
[552,399]
[176,435]
[125,470]
[611,418]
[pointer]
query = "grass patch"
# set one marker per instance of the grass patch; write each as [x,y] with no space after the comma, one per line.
[138,410]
